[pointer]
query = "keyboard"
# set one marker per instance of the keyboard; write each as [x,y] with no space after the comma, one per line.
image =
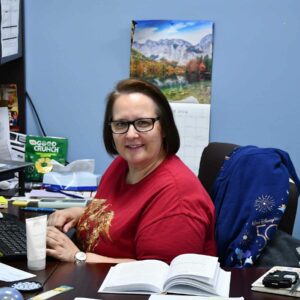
[12,237]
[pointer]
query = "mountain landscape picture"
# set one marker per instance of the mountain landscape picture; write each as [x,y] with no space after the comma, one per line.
[176,56]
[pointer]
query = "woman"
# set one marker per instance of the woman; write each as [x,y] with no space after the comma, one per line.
[149,205]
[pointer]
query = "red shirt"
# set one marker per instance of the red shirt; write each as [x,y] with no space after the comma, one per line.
[166,214]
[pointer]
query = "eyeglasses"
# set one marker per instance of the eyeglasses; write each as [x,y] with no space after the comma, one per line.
[140,125]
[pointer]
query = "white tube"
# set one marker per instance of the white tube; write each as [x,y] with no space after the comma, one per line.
[36,229]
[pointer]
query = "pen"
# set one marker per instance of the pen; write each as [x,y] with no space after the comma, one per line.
[39,209]
[57,190]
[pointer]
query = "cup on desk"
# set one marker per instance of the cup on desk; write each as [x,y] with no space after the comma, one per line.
[36,229]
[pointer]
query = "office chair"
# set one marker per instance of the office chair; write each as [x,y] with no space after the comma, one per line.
[212,160]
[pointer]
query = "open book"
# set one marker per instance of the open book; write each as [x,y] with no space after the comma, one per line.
[293,291]
[189,274]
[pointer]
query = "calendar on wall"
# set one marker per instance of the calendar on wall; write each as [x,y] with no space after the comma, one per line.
[193,125]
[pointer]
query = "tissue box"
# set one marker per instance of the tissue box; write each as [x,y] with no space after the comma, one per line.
[71,181]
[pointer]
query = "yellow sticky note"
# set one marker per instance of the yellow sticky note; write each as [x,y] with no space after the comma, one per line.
[3,202]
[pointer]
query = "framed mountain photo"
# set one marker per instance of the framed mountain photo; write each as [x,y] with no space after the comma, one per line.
[176,56]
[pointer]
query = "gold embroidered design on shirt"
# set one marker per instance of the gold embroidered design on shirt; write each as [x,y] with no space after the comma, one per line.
[95,222]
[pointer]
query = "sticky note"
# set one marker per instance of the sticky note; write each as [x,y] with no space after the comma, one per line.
[3,202]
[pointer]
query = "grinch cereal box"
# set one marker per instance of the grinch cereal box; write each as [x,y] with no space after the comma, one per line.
[41,151]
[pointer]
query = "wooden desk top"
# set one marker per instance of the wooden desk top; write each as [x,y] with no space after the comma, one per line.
[87,278]
[41,276]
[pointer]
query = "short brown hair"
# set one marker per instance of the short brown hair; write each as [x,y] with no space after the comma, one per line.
[132,85]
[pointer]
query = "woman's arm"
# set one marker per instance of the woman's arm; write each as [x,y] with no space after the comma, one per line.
[61,247]
[95,258]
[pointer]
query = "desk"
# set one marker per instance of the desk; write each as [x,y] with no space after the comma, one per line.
[42,276]
[87,278]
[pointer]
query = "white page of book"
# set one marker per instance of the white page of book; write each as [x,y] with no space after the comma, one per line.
[190,287]
[195,265]
[180,297]
[137,274]
[192,121]
[177,297]
[223,283]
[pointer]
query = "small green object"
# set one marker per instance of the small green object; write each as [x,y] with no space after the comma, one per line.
[41,151]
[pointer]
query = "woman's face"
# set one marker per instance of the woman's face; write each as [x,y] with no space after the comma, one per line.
[139,149]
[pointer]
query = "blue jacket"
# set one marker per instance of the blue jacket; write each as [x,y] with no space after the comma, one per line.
[250,195]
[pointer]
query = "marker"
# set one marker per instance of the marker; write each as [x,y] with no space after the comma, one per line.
[23,203]
[39,209]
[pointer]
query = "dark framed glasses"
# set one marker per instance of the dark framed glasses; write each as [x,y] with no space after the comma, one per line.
[140,125]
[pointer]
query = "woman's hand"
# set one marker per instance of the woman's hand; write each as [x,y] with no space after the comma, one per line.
[60,246]
[65,219]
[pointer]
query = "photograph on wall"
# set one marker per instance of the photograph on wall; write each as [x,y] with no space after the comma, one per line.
[174,55]
[8,93]
[177,57]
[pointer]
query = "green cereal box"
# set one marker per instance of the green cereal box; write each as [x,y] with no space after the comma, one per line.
[41,151]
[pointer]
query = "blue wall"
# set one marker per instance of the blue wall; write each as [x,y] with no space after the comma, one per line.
[77,50]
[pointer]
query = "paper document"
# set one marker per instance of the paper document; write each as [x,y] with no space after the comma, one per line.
[80,298]
[10,27]
[17,142]
[44,194]
[9,274]
[4,134]
[179,297]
